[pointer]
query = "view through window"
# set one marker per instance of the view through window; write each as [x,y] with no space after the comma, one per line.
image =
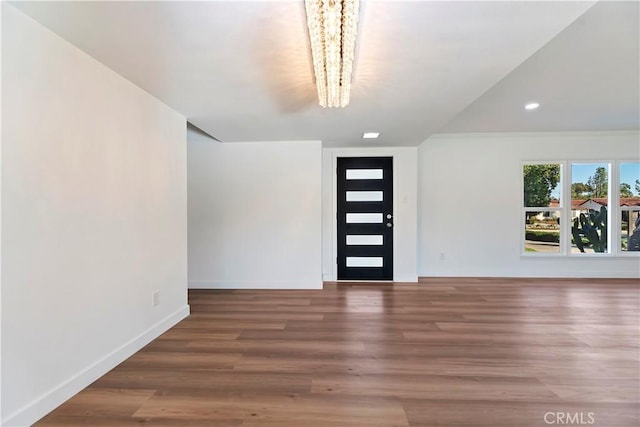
[629,207]
[589,207]
[542,207]
[600,197]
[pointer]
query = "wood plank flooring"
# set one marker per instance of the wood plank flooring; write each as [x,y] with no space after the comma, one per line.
[445,352]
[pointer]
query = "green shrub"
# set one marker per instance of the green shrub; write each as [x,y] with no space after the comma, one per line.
[541,236]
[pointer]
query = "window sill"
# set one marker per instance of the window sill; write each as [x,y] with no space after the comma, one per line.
[631,255]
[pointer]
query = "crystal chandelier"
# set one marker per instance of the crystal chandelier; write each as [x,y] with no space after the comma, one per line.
[332,31]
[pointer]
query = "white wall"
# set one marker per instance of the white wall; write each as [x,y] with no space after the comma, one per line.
[254,214]
[1,9]
[93,220]
[470,203]
[405,177]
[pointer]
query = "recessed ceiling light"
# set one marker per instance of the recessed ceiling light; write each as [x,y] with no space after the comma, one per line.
[370,135]
[531,106]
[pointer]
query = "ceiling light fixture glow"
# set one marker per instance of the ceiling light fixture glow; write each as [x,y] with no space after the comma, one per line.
[531,106]
[370,135]
[332,32]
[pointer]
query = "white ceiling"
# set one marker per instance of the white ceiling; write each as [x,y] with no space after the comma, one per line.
[586,78]
[241,71]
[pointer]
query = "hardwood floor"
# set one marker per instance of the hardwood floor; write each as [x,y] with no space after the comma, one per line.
[446,352]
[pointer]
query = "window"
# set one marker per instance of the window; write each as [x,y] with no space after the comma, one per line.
[629,207]
[542,207]
[589,204]
[581,209]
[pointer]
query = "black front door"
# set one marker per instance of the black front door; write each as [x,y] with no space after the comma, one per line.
[365,218]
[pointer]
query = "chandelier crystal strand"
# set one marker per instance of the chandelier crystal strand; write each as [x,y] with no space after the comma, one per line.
[349,26]
[332,32]
[332,14]
[316,36]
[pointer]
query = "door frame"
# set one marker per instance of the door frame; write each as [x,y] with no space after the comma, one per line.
[334,204]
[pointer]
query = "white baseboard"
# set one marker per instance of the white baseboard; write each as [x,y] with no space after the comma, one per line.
[406,279]
[41,406]
[255,284]
[537,275]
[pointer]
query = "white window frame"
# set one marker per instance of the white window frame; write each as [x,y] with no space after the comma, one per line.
[611,198]
[613,211]
[617,221]
[525,209]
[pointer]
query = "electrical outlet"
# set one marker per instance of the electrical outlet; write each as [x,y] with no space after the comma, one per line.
[155,298]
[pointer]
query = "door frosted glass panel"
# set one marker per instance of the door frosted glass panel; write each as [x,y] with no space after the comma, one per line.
[364,218]
[364,174]
[372,261]
[364,196]
[364,239]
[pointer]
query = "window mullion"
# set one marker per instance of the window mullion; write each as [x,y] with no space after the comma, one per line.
[565,214]
[613,214]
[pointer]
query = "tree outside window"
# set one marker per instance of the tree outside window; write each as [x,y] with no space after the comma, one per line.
[542,207]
